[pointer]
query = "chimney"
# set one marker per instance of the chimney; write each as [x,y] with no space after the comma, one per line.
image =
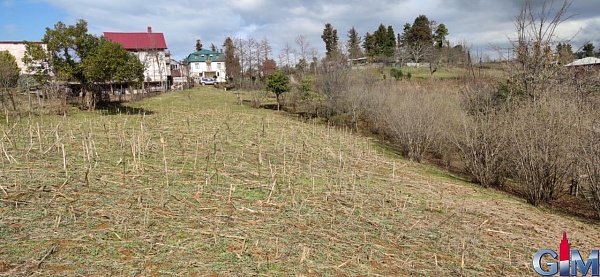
[149,29]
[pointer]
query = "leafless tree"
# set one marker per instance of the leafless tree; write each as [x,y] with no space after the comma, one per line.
[303,46]
[286,56]
[536,31]
[589,152]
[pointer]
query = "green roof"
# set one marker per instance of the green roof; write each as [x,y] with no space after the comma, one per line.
[205,54]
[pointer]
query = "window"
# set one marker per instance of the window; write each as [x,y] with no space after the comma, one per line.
[196,57]
[196,65]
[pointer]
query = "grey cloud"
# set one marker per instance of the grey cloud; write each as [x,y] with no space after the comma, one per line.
[479,22]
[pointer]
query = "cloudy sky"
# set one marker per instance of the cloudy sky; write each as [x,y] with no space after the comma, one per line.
[482,24]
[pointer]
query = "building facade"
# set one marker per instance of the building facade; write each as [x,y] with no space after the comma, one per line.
[17,49]
[151,49]
[207,64]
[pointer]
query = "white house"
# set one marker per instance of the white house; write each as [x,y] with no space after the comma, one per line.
[150,48]
[208,64]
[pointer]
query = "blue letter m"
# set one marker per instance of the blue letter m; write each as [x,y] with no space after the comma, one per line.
[584,267]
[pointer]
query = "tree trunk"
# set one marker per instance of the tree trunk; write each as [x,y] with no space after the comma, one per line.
[277,101]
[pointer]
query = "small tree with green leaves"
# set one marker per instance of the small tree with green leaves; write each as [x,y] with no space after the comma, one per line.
[9,75]
[588,49]
[397,73]
[110,63]
[278,83]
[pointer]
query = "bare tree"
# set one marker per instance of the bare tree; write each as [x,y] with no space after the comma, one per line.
[286,55]
[589,151]
[263,52]
[252,62]
[536,32]
[241,53]
[303,46]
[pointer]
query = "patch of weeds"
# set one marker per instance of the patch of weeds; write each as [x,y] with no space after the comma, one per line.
[251,194]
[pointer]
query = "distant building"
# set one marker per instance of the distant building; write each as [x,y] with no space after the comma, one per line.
[589,63]
[150,48]
[208,64]
[179,72]
[17,49]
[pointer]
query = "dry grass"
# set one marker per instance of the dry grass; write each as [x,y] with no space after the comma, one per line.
[189,183]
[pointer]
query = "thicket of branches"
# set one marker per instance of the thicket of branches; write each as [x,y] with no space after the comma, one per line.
[539,129]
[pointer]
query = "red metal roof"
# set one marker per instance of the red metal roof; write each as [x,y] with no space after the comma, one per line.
[138,41]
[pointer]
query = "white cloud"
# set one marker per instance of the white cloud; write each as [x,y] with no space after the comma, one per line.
[479,22]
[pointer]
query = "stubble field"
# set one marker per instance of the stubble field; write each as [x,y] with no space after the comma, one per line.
[188,183]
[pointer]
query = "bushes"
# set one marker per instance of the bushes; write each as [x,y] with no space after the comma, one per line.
[415,119]
[590,150]
[482,141]
[540,147]
[532,142]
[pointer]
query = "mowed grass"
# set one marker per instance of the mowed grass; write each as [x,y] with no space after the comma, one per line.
[190,184]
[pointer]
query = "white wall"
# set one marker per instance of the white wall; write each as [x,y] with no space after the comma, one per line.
[156,69]
[17,49]
[197,69]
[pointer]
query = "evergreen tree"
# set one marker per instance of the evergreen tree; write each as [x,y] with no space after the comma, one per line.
[278,83]
[9,75]
[109,62]
[9,70]
[213,47]
[588,50]
[440,34]
[330,38]
[369,44]
[354,41]
[66,49]
[381,38]
[390,47]
[420,31]
[198,45]
[381,44]
[417,39]
[232,61]
[564,51]
[68,46]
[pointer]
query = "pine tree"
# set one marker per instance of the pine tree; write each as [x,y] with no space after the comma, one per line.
[420,31]
[9,75]
[232,61]
[564,52]
[354,41]
[198,45]
[330,38]
[588,49]
[390,47]
[440,34]
[369,44]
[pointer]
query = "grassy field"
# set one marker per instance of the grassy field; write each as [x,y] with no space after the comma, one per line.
[190,184]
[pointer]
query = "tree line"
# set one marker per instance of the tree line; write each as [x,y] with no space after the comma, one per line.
[68,54]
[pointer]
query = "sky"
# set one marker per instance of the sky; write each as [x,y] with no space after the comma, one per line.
[483,25]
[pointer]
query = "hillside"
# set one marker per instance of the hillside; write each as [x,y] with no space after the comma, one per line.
[188,183]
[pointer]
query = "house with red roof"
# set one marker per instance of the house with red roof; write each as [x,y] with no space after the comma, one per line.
[151,50]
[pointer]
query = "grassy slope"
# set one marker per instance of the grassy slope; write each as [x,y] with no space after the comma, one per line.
[189,183]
